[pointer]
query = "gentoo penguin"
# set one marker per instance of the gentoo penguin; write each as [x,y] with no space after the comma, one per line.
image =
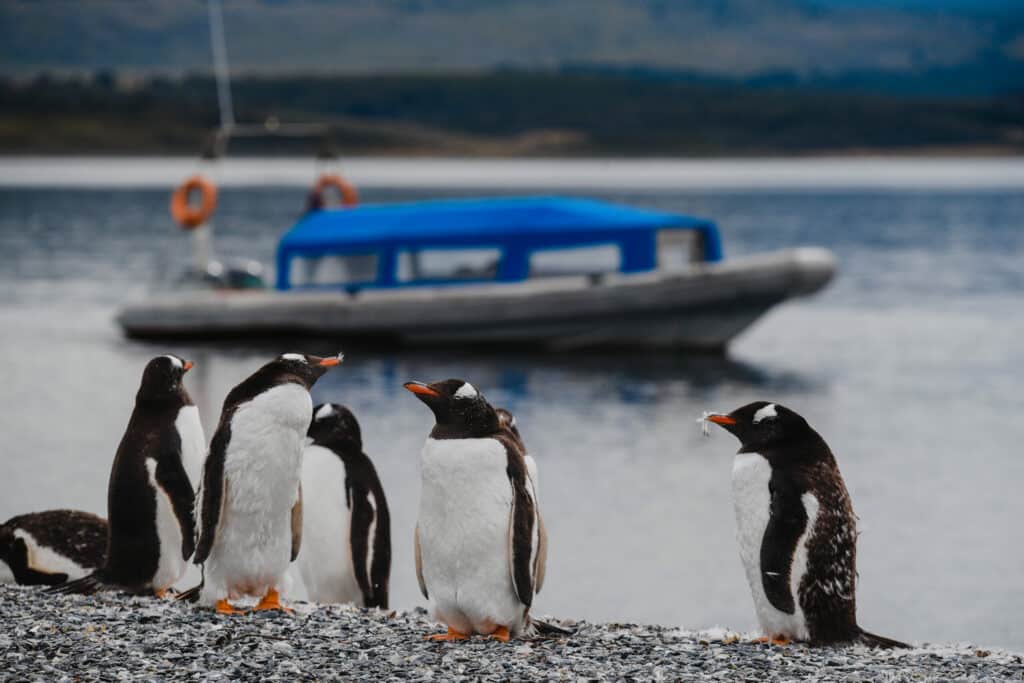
[51,547]
[346,528]
[796,528]
[479,543]
[150,498]
[251,510]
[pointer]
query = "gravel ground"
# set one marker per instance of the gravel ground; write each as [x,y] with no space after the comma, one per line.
[114,637]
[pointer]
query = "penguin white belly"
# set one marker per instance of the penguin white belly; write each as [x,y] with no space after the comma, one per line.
[43,559]
[463,532]
[170,564]
[193,443]
[262,465]
[325,562]
[751,474]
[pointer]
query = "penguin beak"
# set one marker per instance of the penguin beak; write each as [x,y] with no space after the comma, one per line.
[332,361]
[721,419]
[421,389]
[187,366]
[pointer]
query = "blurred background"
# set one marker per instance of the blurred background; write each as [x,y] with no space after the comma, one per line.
[887,131]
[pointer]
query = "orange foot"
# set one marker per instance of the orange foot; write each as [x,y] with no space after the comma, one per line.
[272,601]
[501,633]
[774,640]
[225,607]
[162,593]
[447,637]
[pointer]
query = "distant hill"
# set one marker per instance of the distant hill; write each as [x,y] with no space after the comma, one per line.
[928,47]
[502,113]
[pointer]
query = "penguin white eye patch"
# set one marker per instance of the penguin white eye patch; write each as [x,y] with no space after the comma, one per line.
[467,390]
[325,411]
[293,356]
[765,413]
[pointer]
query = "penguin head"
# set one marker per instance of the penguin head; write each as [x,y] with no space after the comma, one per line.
[459,409]
[764,427]
[162,377]
[303,366]
[335,427]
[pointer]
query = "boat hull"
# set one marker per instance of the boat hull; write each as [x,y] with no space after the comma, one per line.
[702,308]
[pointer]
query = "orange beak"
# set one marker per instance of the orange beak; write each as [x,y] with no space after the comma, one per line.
[188,365]
[332,361]
[420,388]
[721,419]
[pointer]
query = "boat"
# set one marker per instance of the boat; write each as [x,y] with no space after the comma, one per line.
[552,273]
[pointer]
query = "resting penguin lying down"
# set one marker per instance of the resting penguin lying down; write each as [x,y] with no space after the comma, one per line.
[51,547]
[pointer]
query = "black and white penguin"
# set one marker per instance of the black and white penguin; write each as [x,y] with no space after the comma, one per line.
[51,547]
[251,514]
[480,545]
[346,528]
[150,497]
[796,528]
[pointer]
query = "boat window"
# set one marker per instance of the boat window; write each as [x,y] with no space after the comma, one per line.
[604,258]
[678,248]
[334,270]
[448,264]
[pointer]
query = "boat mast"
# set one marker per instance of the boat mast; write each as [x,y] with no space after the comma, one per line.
[220,68]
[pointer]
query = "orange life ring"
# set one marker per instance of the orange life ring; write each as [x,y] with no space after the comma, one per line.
[349,196]
[187,216]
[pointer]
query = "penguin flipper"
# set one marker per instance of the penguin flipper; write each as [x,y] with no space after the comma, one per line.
[523,531]
[297,524]
[17,560]
[87,585]
[172,478]
[361,520]
[419,563]
[871,640]
[778,546]
[213,487]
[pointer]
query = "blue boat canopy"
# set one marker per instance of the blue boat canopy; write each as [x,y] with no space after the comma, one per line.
[515,226]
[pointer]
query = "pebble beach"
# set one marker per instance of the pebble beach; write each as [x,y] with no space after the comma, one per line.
[110,637]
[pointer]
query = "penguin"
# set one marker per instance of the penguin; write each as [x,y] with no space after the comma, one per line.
[150,498]
[480,546]
[796,528]
[251,509]
[51,547]
[346,527]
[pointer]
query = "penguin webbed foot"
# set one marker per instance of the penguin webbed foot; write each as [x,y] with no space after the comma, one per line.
[225,607]
[451,635]
[774,640]
[501,634]
[272,601]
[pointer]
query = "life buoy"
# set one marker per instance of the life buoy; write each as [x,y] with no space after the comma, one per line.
[349,196]
[186,215]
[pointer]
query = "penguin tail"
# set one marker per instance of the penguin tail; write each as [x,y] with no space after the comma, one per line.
[191,595]
[545,629]
[87,585]
[871,640]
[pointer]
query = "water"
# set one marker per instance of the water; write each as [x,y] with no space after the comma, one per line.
[909,365]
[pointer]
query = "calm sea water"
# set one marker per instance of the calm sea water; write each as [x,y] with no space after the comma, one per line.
[910,365]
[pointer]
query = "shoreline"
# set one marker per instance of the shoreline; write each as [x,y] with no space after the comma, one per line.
[554,175]
[112,636]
